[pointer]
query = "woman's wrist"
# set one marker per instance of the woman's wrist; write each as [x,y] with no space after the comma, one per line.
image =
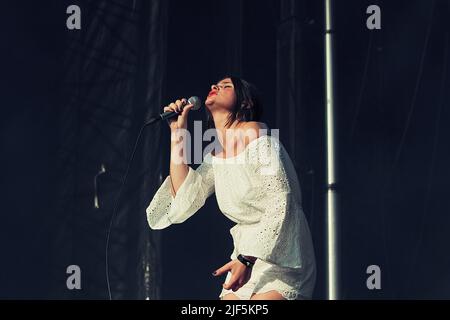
[246,260]
[252,259]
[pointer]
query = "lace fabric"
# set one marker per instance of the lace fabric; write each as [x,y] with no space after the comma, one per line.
[265,277]
[259,190]
[165,209]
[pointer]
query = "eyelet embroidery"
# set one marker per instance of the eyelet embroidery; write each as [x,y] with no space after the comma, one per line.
[270,221]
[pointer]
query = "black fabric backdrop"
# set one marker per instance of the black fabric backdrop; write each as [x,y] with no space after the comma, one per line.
[114,74]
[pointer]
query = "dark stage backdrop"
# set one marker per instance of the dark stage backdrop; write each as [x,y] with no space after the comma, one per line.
[73,102]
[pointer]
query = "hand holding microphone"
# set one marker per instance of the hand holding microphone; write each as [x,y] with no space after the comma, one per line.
[176,113]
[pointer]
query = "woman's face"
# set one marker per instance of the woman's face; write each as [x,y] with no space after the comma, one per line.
[222,95]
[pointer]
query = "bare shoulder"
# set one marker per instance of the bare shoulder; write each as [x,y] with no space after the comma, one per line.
[254,125]
[254,130]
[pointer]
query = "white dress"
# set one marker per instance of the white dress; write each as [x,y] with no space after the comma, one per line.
[258,189]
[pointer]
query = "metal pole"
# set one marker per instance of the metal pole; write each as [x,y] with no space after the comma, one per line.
[332,195]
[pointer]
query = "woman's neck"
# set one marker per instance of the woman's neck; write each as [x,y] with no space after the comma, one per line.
[220,122]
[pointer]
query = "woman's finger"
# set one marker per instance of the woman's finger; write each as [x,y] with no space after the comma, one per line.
[180,104]
[187,108]
[173,107]
[231,283]
[223,269]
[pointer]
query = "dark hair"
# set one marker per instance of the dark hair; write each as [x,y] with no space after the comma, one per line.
[248,106]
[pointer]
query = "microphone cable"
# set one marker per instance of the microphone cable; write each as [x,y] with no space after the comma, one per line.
[164,116]
[124,179]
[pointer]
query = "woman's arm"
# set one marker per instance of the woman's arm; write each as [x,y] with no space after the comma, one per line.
[178,126]
[185,190]
[178,168]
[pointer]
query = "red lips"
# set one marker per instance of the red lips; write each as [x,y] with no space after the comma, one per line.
[212,92]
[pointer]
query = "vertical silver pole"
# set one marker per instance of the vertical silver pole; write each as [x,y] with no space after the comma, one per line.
[332,196]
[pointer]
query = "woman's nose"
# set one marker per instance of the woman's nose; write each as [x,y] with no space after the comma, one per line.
[214,87]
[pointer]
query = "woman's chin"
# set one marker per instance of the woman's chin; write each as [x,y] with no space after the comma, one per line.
[209,103]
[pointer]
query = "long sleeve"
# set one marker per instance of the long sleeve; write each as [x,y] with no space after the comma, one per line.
[275,237]
[164,209]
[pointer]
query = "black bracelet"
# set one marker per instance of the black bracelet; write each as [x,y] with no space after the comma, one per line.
[245,261]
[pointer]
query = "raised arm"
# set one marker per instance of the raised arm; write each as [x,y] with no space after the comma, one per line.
[178,126]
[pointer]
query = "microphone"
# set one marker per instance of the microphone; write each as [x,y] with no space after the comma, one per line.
[170,114]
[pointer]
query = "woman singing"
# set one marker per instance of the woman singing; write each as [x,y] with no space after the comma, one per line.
[256,187]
